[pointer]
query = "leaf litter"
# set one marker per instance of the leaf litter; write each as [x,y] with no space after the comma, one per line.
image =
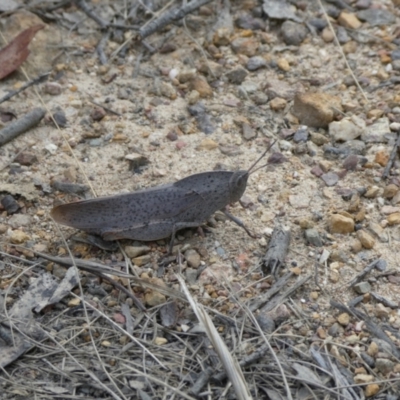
[96,356]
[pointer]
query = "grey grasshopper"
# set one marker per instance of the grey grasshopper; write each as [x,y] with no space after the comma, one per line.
[158,212]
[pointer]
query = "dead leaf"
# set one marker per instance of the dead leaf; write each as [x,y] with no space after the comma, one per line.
[16,52]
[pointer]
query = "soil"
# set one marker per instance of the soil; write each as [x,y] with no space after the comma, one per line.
[152,95]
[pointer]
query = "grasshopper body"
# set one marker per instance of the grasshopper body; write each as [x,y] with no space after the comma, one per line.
[157,212]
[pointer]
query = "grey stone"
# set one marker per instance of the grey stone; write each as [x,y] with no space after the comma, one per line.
[313,237]
[255,63]
[342,35]
[368,359]
[59,271]
[346,129]
[18,220]
[249,87]
[376,17]
[395,54]
[362,287]
[260,98]
[330,178]
[247,21]
[384,365]
[236,76]
[396,65]
[279,9]
[248,132]
[354,147]
[266,323]
[335,330]
[381,265]
[378,132]
[350,162]
[301,135]
[363,4]
[293,33]
[191,276]
[318,23]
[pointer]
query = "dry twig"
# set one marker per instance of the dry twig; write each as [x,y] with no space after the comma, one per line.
[39,79]
[171,16]
[16,128]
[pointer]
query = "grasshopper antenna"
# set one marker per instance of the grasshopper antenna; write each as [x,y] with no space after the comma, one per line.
[249,171]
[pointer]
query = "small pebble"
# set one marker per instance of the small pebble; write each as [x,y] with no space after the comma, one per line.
[207,144]
[313,238]
[316,109]
[376,17]
[349,20]
[340,224]
[344,319]
[365,239]
[26,158]
[293,33]
[350,162]
[245,46]
[362,287]
[236,76]
[97,114]
[10,204]
[202,87]
[394,219]
[330,179]
[154,298]
[390,191]
[193,97]
[172,136]
[18,220]
[256,63]
[19,237]
[52,88]
[248,132]
[136,251]
[192,258]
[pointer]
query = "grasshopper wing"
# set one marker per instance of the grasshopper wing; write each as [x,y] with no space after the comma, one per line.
[121,212]
[205,182]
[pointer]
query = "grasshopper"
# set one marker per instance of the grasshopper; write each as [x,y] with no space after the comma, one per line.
[158,212]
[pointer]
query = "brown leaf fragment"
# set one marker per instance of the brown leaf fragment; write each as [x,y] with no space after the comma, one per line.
[16,52]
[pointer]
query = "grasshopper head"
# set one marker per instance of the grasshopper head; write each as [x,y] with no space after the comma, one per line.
[237,185]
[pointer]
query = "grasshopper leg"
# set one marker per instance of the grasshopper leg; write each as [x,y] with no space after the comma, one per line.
[178,226]
[240,223]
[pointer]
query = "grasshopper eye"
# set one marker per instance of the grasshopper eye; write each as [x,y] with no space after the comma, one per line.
[241,179]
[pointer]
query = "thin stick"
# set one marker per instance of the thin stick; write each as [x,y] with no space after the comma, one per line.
[171,16]
[21,125]
[105,108]
[85,8]
[341,51]
[39,79]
